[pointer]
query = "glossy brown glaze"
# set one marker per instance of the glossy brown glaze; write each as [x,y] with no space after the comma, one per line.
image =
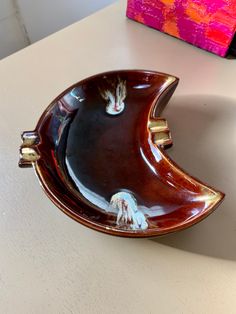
[98,151]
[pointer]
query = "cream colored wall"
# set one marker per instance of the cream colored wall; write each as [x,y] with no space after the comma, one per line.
[25,21]
[12,35]
[43,17]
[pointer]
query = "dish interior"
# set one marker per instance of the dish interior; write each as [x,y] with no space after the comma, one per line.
[100,162]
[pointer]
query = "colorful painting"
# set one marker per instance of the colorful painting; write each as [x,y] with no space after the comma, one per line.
[210,25]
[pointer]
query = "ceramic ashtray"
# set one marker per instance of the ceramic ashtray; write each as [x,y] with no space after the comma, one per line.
[98,151]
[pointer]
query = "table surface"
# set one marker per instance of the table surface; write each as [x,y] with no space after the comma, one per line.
[51,264]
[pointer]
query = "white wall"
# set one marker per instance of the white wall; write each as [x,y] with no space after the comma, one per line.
[12,37]
[43,17]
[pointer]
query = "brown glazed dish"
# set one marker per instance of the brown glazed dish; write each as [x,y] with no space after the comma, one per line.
[98,151]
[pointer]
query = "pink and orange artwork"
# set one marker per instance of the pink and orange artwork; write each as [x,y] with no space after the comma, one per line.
[210,25]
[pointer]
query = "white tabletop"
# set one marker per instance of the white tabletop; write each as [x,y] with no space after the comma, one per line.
[50,263]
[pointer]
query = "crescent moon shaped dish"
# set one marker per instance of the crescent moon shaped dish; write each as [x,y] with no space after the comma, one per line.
[98,151]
